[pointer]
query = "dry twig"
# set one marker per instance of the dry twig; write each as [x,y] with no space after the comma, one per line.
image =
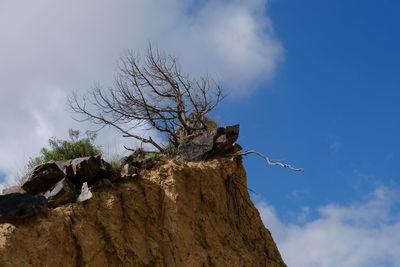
[269,161]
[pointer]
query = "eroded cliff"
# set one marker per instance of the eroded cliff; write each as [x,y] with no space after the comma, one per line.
[177,214]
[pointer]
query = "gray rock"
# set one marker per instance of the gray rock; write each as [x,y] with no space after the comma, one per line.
[139,159]
[218,142]
[85,193]
[89,170]
[17,205]
[129,170]
[224,144]
[81,170]
[66,168]
[148,163]
[63,192]
[197,147]
[107,172]
[42,178]
[135,159]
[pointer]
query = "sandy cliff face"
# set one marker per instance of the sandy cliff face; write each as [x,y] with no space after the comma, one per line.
[178,214]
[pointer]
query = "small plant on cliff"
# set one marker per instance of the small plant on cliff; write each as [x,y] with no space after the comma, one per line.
[67,149]
[115,162]
[155,156]
[116,165]
[153,93]
[171,151]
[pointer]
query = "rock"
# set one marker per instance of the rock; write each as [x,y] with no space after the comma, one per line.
[88,169]
[139,159]
[85,193]
[129,170]
[61,181]
[135,159]
[107,172]
[104,183]
[17,205]
[197,147]
[65,167]
[228,136]
[220,141]
[236,148]
[148,163]
[81,170]
[137,154]
[42,178]
[63,192]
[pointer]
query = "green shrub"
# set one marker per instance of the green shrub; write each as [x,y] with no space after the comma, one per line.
[156,156]
[67,149]
[116,165]
[115,162]
[171,151]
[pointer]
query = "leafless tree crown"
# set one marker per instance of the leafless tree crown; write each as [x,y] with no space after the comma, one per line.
[152,92]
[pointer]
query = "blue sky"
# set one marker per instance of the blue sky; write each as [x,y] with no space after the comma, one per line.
[315,83]
[332,109]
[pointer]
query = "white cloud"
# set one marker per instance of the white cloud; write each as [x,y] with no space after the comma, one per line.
[49,48]
[363,234]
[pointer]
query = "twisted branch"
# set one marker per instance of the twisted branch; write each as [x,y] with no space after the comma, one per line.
[153,93]
[269,161]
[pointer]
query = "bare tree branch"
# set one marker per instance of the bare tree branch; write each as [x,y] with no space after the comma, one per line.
[154,93]
[269,161]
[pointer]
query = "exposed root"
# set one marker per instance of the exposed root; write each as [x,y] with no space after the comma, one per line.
[269,161]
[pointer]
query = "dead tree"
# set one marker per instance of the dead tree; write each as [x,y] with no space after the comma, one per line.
[152,93]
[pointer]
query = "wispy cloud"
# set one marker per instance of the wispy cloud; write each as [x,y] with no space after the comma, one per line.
[50,48]
[363,234]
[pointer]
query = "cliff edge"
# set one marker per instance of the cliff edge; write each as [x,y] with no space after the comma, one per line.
[176,214]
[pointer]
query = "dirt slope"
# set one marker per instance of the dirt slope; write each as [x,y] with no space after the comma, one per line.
[178,214]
